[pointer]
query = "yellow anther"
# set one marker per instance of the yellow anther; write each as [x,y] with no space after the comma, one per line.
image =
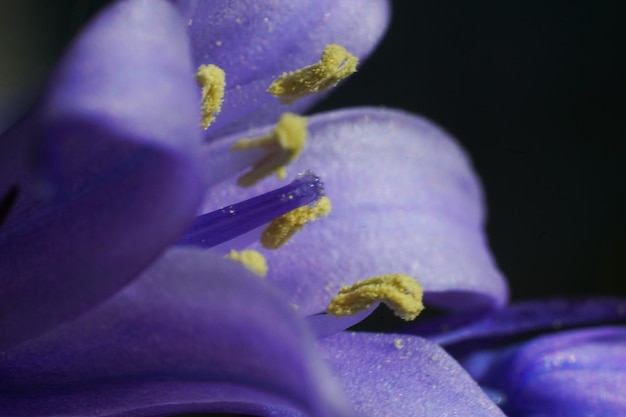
[335,65]
[280,230]
[402,293]
[252,260]
[212,79]
[283,145]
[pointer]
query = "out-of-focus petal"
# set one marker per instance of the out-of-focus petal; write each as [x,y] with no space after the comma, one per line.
[574,373]
[522,318]
[194,333]
[405,200]
[394,375]
[257,41]
[119,124]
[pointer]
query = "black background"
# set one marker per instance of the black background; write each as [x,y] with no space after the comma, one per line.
[535,91]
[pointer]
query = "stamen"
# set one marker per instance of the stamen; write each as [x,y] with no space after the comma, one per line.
[280,230]
[402,293]
[212,79]
[283,145]
[335,65]
[252,260]
[227,223]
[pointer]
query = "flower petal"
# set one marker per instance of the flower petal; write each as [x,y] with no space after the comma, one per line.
[194,333]
[119,120]
[522,318]
[393,375]
[573,373]
[257,41]
[405,200]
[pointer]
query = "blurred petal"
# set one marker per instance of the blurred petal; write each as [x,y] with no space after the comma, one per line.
[549,375]
[257,41]
[405,200]
[522,318]
[119,120]
[574,373]
[578,373]
[194,333]
[393,375]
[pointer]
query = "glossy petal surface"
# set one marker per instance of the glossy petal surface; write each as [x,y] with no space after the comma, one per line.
[257,41]
[194,333]
[119,127]
[405,200]
[393,375]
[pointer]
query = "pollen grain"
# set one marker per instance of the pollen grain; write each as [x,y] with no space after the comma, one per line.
[280,230]
[282,145]
[335,65]
[212,80]
[402,293]
[252,260]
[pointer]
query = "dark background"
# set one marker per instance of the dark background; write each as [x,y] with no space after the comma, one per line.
[535,91]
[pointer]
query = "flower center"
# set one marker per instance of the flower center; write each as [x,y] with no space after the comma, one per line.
[335,64]
[402,293]
[212,229]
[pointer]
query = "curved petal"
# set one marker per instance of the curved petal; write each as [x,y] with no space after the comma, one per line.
[257,41]
[522,318]
[393,375]
[405,200]
[119,122]
[574,373]
[194,333]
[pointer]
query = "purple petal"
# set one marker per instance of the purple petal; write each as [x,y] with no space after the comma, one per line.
[324,325]
[257,41]
[522,318]
[574,373]
[405,200]
[194,333]
[393,375]
[120,121]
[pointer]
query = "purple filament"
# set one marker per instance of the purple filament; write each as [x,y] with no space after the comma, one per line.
[212,229]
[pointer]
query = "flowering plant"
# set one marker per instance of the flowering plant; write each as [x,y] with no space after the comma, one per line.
[109,187]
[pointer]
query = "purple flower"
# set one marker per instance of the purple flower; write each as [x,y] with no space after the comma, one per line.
[100,174]
[405,199]
[101,313]
[560,357]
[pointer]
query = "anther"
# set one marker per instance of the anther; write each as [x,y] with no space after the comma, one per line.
[335,64]
[402,293]
[280,230]
[252,260]
[282,145]
[212,79]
